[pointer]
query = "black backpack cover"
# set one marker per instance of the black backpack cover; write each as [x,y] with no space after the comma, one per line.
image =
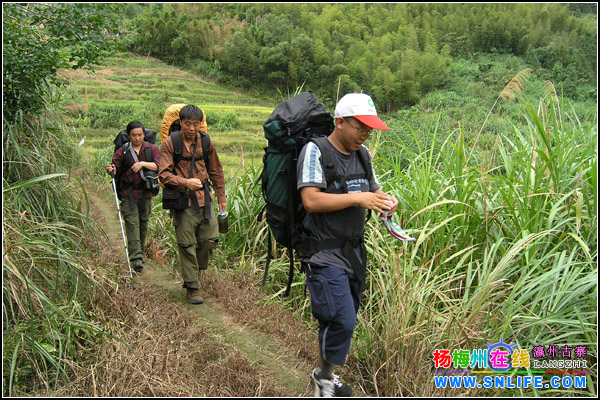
[122,138]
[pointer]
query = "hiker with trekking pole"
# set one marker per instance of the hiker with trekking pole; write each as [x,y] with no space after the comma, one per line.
[135,181]
[333,255]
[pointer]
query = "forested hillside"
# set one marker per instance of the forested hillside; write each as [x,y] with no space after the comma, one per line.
[395,52]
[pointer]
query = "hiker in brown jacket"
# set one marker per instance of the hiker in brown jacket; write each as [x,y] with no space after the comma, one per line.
[196,227]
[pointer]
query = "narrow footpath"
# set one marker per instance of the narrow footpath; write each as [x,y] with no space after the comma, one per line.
[234,344]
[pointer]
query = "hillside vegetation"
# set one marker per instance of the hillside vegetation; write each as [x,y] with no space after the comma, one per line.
[396,52]
[501,196]
[129,87]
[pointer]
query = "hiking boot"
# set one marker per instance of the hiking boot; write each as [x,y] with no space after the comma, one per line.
[193,296]
[138,266]
[330,387]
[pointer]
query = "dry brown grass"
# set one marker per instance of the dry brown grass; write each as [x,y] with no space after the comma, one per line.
[161,349]
[89,76]
[158,346]
[247,305]
[515,85]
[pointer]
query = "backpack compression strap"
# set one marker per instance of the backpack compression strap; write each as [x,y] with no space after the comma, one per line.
[177,156]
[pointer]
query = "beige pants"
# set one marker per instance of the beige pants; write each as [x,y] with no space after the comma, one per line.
[196,238]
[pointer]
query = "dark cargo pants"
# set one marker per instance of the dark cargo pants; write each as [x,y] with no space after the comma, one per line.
[334,299]
[136,225]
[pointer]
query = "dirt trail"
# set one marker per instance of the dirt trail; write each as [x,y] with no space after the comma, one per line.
[280,366]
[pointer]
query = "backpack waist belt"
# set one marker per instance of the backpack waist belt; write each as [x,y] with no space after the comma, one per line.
[127,186]
[308,246]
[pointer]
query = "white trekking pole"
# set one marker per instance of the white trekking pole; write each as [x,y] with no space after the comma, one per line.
[112,174]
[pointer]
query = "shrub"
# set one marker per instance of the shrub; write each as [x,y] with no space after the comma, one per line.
[228,122]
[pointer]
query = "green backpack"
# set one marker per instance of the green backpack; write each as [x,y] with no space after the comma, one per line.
[291,125]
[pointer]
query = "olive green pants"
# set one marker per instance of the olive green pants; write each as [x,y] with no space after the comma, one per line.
[136,225]
[196,238]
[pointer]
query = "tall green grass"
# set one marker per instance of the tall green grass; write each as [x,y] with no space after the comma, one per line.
[504,251]
[48,273]
[506,242]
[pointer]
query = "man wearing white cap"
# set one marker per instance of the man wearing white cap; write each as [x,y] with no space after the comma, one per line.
[336,205]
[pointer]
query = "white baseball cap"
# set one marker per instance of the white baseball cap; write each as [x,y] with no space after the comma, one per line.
[361,107]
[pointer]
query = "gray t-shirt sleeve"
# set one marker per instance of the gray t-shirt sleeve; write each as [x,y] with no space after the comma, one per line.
[309,168]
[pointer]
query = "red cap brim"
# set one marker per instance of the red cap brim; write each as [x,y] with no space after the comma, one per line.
[372,121]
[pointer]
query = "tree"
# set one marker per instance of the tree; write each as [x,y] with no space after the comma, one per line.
[274,62]
[301,58]
[41,38]
[275,29]
[317,43]
[240,56]
[385,86]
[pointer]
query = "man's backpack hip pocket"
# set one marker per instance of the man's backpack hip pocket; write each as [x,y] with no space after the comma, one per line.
[173,199]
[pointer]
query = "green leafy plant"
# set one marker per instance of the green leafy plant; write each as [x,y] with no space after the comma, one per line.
[228,122]
[41,38]
[47,284]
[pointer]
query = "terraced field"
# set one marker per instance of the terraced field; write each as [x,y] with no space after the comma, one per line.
[140,88]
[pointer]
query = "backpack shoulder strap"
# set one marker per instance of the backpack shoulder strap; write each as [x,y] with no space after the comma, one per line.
[205,147]
[149,154]
[177,146]
[365,159]
[327,158]
[329,162]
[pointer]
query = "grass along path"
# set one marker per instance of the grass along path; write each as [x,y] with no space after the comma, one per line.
[167,347]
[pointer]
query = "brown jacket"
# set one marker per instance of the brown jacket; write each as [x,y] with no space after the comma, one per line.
[177,176]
